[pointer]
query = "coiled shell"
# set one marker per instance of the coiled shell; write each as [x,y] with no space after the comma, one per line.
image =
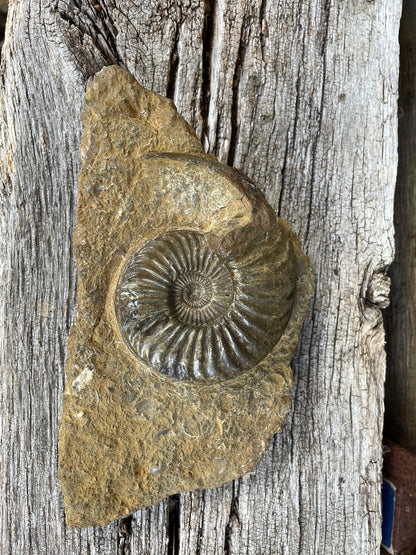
[192,313]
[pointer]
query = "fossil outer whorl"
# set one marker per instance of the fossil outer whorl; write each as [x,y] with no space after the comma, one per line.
[189,313]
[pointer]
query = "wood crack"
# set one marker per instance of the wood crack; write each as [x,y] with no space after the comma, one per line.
[93,21]
[173,521]
[325,25]
[235,127]
[264,27]
[125,535]
[233,518]
[173,65]
[207,46]
[199,540]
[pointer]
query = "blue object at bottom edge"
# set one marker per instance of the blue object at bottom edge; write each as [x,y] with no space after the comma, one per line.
[388,497]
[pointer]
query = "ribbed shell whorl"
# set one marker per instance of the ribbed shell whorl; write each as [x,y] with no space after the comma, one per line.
[192,314]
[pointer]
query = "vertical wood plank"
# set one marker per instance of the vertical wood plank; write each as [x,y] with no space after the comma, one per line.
[302,97]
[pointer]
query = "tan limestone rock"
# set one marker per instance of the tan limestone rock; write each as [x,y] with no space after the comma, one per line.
[191,297]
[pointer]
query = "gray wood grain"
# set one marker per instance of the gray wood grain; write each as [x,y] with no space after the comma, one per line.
[302,97]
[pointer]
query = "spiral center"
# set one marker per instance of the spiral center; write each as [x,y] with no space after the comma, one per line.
[191,291]
[196,295]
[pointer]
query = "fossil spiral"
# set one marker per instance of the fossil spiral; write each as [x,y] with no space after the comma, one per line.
[191,313]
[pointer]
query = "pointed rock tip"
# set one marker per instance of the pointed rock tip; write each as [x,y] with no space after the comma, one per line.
[115,93]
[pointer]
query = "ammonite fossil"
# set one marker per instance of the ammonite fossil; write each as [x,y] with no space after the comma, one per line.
[191,313]
[191,296]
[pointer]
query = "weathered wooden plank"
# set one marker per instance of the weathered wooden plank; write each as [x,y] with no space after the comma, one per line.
[300,96]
